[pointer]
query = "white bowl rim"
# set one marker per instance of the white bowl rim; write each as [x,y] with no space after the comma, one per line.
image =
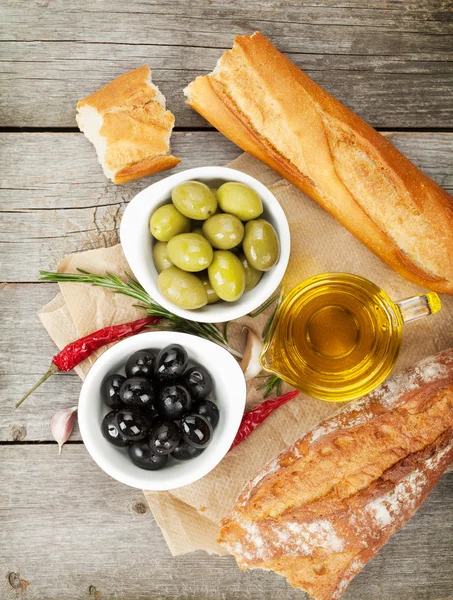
[212,313]
[159,339]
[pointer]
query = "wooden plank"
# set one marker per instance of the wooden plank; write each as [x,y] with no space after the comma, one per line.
[214,18]
[71,532]
[155,23]
[62,202]
[380,88]
[392,64]
[26,351]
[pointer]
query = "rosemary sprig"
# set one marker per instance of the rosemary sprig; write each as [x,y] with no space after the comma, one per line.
[263,307]
[133,289]
[271,383]
[268,326]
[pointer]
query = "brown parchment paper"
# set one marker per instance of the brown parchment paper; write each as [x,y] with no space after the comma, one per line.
[189,517]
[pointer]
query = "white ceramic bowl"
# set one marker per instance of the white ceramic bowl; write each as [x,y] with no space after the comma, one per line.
[229,393]
[137,242]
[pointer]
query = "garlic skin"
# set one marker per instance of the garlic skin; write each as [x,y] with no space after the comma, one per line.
[62,424]
[250,364]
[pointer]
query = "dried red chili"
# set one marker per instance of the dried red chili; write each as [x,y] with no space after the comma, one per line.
[254,418]
[76,352]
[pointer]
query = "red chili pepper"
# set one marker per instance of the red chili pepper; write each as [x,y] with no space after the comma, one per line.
[76,352]
[254,418]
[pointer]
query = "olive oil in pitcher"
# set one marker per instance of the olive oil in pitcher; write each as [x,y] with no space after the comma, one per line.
[337,336]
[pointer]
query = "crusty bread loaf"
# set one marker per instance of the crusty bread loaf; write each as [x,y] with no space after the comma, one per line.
[270,108]
[321,510]
[127,122]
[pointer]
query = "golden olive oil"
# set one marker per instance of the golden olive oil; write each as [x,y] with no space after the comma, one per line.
[335,336]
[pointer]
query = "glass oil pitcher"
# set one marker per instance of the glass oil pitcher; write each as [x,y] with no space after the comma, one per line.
[337,336]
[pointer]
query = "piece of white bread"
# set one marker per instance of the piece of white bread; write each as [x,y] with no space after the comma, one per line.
[267,106]
[127,123]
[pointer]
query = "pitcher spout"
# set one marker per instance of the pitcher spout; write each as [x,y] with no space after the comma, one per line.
[268,358]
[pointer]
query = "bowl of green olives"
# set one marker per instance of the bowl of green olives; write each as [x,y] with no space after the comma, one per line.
[160,410]
[209,244]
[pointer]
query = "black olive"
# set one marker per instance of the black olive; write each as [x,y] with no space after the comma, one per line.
[141,455]
[196,430]
[164,437]
[173,401]
[171,362]
[141,364]
[207,409]
[133,424]
[198,381]
[185,451]
[138,391]
[111,431]
[110,390]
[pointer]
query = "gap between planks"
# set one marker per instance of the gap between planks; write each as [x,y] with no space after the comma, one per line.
[388,130]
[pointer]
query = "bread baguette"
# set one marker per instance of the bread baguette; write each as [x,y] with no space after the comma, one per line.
[127,123]
[271,109]
[321,510]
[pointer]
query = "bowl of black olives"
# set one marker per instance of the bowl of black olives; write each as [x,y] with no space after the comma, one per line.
[209,244]
[161,409]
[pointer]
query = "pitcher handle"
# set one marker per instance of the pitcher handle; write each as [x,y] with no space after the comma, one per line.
[418,307]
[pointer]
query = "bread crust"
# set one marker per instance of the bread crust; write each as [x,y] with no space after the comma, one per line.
[271,109]
[324,507]
[127,122]
[145,168]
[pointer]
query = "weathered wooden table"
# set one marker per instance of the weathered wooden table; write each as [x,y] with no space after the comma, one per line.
[68,531]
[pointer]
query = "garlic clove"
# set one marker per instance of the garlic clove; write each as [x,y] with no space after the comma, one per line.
[250,364]
[62,424]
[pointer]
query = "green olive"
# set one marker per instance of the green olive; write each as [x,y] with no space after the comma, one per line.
[261,246]
[194,200]
[167,222]
[252,275]
[223,231]
[182,288]
[161,258]
[212,296]
[239,200]
[227,275]
[190,252]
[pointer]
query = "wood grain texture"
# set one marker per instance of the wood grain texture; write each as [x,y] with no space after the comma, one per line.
[69,531]
[25,354]
[74,530]
[62,202]
[26,351]
[392,63]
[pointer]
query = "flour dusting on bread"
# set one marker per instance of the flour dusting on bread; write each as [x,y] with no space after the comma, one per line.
[319,511]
